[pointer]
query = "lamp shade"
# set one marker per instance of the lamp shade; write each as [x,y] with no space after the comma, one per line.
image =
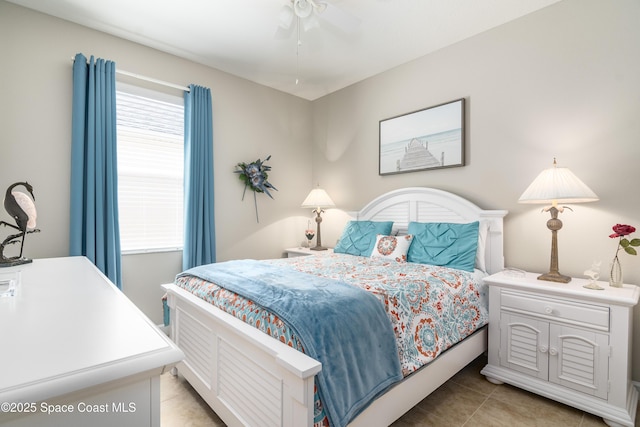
[557,185]
[318,198]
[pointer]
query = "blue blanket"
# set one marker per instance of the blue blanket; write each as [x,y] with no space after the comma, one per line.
[328,316]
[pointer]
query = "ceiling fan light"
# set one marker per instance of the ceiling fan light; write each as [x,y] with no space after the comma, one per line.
[310,22]
[320,6]
[286,16]
[302,8]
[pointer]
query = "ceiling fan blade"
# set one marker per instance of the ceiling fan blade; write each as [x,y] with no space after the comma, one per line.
[284,33]
[345,21]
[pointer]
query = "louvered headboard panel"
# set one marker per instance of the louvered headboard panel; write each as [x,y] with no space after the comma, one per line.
[423,204]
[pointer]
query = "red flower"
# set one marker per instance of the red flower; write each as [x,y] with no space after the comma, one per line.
[622,230]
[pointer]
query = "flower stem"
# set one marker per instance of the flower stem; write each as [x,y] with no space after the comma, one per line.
[255,202]
[618,247]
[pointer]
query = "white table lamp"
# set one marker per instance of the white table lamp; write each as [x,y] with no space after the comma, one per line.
[553,186]
[318,199]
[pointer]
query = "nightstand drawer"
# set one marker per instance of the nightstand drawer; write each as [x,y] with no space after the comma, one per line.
[558,309]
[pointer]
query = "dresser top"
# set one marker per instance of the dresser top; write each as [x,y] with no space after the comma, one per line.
[68,327]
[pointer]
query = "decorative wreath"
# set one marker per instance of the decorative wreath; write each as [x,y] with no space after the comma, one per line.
[254,175]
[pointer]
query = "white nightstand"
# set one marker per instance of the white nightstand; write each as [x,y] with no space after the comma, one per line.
[299,251]
[564,342]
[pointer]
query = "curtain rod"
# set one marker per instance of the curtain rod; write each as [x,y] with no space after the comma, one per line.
[149,79]
[152,80]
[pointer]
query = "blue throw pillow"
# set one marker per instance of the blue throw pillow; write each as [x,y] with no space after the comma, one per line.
[359,237]
[444,244]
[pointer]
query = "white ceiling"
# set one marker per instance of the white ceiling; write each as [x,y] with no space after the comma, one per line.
[239,36]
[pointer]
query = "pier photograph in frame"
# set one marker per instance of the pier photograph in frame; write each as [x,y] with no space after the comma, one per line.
[432,138]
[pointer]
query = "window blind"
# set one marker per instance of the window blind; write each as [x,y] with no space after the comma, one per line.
[150,131]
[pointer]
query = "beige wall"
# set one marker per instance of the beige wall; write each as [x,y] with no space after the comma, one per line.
[563,82]
[250,122]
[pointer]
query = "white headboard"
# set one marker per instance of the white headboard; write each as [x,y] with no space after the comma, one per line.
[423,204]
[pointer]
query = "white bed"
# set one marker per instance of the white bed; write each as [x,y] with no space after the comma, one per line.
[251,379]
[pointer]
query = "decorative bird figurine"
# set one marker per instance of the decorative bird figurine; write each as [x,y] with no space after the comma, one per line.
[594,274]
[23,211]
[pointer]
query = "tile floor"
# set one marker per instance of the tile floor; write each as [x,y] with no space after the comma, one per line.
[466,400]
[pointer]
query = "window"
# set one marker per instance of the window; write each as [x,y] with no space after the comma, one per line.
[150,127]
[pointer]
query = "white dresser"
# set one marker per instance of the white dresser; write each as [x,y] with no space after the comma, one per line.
[564,342]
[75,351]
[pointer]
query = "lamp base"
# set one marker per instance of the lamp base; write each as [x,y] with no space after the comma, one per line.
[318,248]
[554,276]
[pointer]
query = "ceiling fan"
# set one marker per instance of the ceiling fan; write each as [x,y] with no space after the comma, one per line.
[309,12]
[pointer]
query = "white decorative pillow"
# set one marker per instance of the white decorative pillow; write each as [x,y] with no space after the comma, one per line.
[392,247]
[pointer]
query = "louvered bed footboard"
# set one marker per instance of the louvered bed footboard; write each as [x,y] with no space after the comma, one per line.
[247,377]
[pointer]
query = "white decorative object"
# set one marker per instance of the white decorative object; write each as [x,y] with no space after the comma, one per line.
[9,281]
[593,273]
[564,342]
[71,338]
[216,343]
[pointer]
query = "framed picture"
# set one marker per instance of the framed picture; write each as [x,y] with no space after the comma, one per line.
[432,138]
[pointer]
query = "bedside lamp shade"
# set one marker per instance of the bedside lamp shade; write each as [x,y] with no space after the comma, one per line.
[552,186]
[317,200]
[557,185]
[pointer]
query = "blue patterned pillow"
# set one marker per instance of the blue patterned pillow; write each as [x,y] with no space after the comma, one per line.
[444,244]
[359,237]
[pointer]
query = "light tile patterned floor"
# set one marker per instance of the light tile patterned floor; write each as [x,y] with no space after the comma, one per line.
[466,400]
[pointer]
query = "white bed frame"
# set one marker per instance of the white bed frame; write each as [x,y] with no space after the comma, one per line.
[251,379]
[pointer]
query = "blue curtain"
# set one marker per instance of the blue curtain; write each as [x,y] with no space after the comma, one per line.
[94,228]
[199,229]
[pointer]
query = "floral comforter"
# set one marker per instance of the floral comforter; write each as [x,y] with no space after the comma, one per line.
[431,308]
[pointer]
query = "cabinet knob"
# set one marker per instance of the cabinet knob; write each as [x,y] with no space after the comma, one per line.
[543,349]
[548,310]
[553,351]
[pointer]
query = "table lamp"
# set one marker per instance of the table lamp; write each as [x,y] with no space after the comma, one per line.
[318,199]
[553,186]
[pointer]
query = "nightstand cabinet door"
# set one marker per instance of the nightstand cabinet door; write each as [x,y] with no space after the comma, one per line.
[572,357]
[524,345]
[579,359]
